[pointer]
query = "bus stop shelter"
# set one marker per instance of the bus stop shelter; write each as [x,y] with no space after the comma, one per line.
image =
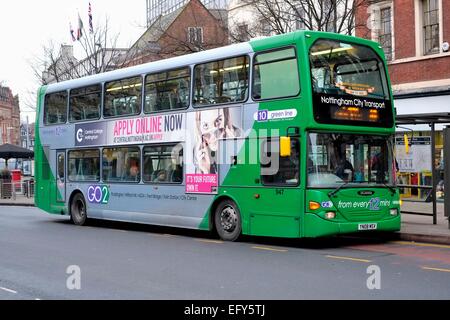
[9,151]
[432,119]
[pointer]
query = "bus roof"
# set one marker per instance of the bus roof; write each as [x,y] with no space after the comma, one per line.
[199,57]
[180,61]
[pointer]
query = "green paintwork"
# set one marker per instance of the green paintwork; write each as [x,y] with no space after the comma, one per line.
[283,212]
[46,189]
[271,211]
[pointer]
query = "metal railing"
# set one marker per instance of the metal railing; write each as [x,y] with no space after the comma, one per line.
[17,190]
[429,198]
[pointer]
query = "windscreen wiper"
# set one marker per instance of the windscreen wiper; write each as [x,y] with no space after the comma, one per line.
[391,188]
[335,191]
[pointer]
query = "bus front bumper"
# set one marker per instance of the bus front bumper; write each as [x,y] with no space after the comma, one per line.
[315,226]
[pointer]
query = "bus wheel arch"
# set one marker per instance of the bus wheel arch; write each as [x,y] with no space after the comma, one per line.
[226,218]
[78,208]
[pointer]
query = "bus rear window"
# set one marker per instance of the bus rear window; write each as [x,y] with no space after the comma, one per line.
[55,108]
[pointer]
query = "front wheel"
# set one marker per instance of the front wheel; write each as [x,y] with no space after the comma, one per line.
[227,221]
[78,210]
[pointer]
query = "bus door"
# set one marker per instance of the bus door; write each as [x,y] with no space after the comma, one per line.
[61,176]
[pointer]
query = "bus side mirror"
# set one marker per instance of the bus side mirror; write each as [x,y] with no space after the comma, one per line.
[285,147]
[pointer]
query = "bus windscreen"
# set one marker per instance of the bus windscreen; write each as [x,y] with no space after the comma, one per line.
[349,85]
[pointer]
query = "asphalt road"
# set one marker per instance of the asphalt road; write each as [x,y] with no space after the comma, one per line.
[129,261]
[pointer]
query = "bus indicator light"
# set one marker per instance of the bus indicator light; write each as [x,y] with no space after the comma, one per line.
[314,205]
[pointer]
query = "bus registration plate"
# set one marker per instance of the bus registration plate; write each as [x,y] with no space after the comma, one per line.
[367,226]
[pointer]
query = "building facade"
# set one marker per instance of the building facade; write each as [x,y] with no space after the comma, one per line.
[189,28]
[66,66]
[415,35]
[158,8]
[9,117]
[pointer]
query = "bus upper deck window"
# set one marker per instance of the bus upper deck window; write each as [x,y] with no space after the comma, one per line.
[276,75]
[123,97]
[220,82]
[55,109]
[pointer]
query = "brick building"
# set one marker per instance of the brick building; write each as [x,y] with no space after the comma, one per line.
[157,8]
[9,117]
[190,28]
[415,35]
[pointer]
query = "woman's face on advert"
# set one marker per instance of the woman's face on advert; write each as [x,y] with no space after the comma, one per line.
[208,129]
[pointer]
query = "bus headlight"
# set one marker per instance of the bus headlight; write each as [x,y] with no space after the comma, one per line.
[394,212]
[330,215]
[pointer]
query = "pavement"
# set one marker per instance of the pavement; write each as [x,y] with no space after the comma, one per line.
[420,228]
[415,228]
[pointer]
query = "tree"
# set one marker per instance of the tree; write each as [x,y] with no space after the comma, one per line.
[99,50]
[283,16]
[57,63]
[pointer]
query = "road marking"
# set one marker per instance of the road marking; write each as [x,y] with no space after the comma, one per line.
[349,258]
[270,249]
[209,241]
[8,290]
[436,269]
[419,244]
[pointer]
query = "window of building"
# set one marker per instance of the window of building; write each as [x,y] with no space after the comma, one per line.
[224,81]
[121,165]
[123,97]
[300,16]
[195,36]
[163,164]
[84,103]
[243,32]
[277,170]
[330,14]
[276,75]
[385,35]
[84,165]
[55,108]
[167,90]
[266,28]
[431,26]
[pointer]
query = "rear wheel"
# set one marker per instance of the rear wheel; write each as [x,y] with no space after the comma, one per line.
[78,210]
[227,221]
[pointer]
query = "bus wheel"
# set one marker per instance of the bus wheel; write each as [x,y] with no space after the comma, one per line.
[78,210]
[228,221]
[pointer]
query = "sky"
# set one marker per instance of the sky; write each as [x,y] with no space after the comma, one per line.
[27,26]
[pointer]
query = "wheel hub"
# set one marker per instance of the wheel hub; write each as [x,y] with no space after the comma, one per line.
[228,219]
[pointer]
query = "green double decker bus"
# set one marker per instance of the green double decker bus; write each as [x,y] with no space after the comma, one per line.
[286,136]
